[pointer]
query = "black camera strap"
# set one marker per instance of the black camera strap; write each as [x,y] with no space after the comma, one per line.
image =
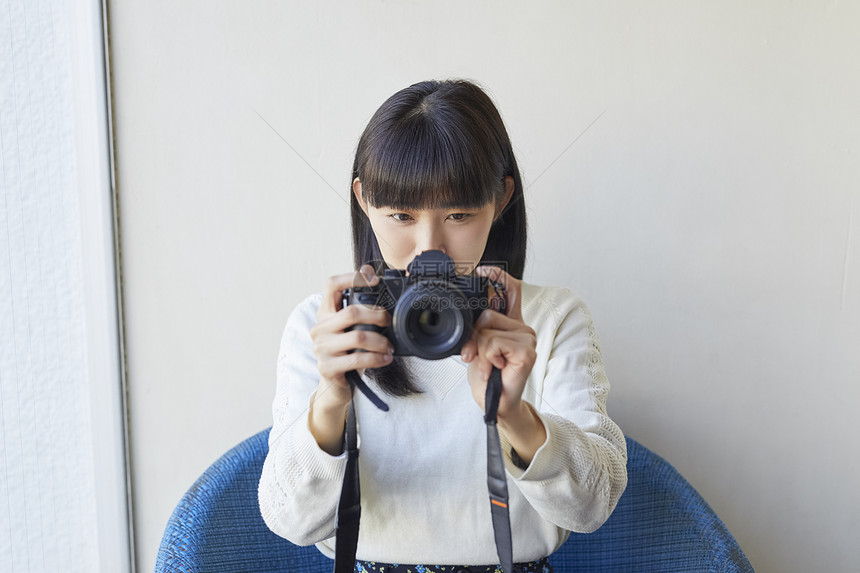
[356,382]
[497,481]
[349,507]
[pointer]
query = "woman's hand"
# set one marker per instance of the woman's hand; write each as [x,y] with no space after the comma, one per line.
[332,346]
[509,344]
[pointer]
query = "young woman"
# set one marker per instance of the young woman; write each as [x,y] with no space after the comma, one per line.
[435,170]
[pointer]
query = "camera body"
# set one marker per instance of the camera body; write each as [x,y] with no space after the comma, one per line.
[433,309]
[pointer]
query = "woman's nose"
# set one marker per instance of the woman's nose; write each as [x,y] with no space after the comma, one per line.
[430,239]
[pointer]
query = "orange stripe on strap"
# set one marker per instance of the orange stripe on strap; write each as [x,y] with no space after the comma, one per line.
[499,503]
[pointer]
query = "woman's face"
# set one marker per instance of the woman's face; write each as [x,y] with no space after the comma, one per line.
[460,233]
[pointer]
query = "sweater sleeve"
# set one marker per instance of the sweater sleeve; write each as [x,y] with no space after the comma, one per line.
[577,476]
[300,484]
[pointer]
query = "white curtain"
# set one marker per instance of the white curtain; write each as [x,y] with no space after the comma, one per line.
[52,496]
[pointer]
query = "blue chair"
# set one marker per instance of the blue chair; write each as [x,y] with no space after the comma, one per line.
[660,524]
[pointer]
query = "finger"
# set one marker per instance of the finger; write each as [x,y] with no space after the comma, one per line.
[343,343]
[520,337]
[336,284]
[489,320]
[332,324]
[488,351]
[470,348]
[512,289]
[507,349]
[368,272]
[483,367]
[337,366]
[492,319]
[360,314]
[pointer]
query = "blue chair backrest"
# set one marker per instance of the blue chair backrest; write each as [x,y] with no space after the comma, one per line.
[660,524]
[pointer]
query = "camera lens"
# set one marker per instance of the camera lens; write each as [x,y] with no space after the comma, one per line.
[431,327]
[431,320]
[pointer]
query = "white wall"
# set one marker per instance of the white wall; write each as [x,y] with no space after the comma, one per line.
[710,217]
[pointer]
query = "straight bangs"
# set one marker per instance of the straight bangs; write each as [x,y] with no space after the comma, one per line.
[423,163]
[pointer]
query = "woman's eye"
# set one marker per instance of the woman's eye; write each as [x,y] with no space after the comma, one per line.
[406,217]
[460,216]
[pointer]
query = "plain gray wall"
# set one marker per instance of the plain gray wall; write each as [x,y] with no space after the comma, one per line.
[691,169]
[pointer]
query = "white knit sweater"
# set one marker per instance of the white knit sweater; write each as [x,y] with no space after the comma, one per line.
[423,463]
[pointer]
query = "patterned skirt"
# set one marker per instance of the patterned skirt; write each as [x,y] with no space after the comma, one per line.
[539,566]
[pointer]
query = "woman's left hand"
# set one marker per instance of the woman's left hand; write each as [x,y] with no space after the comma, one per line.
[503,341]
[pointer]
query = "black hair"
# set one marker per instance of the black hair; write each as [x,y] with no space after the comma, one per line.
[437,144]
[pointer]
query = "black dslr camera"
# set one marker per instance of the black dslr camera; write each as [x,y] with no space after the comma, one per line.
[433,309]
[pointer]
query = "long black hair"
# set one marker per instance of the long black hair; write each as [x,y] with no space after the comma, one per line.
[437,144]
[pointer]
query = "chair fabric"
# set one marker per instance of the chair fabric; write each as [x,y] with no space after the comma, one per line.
[660,524]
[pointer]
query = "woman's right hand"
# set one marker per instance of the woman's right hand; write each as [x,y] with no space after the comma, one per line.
[332,346]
